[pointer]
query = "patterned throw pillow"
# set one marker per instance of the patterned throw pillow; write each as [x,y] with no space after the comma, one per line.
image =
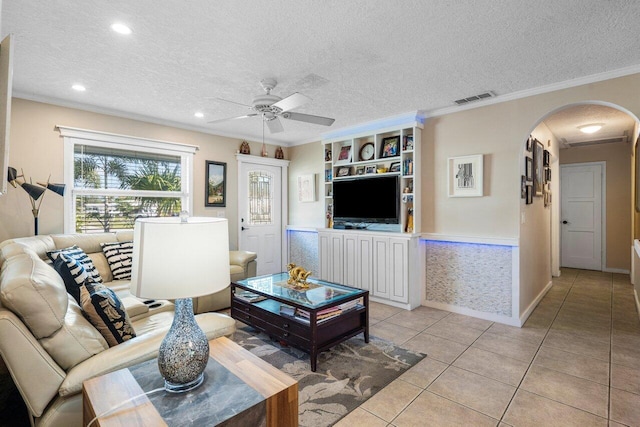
[119,256]
[72,272]
[106,313]
[79,255]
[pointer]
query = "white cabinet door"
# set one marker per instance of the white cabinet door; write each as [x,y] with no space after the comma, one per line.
[364,270]
[398,259]
[380,267]
[323,253]
[351,260]
[336,273]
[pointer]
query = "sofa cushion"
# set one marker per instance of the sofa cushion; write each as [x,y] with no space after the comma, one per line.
[76,253]
[72,273]
[106,312]
[33,291]
[119,257]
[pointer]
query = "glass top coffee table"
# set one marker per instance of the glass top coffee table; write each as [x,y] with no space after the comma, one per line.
[312,319]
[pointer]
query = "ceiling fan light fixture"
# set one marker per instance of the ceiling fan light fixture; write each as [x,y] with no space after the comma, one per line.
[120,28]
[591,128]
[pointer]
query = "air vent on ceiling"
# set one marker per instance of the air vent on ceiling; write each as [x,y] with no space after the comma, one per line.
[473,98]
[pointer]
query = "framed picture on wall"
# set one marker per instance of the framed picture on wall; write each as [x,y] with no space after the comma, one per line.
[465,176]
[545,158]
[528,168]
[307,188]
[215,186]
[538,168]
[529,191]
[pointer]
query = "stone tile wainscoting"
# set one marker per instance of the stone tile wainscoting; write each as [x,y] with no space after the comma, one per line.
[302,245]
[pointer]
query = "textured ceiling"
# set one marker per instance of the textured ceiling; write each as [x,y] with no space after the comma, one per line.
[358,60]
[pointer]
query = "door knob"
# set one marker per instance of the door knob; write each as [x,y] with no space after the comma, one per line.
[565,222]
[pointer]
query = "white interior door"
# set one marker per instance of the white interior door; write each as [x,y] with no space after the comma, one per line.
[581,216]
[260,202]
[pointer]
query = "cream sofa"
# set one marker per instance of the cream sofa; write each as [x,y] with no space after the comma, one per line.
[47,344]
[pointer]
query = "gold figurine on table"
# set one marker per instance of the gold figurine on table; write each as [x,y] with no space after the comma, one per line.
[298,276]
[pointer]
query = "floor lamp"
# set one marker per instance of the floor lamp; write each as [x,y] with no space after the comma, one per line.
[35,192]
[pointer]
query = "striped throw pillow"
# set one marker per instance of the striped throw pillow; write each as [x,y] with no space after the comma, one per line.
[72,272]
[119,255]
[78,254]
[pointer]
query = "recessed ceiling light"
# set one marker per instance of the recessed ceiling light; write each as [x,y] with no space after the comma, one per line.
[121,28]
[78,87]
[199,115]
[594,127]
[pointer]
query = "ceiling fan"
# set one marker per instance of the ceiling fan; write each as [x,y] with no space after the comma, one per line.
[272,107]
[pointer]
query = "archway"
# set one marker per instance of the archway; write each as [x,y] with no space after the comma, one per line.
[546,219]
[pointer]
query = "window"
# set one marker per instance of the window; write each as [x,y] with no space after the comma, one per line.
[113,180]
[260,198]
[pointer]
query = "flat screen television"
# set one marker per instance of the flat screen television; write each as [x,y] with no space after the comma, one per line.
[373,199]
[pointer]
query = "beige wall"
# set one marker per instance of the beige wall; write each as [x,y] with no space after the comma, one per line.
[306,159]
[37,148]
[618,190]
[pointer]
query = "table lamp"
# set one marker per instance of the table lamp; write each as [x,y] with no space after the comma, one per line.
[181,258]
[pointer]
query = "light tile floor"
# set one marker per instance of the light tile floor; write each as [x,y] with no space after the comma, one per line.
[575,362]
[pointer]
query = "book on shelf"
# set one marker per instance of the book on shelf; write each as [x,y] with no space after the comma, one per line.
[249,296]
[287,309]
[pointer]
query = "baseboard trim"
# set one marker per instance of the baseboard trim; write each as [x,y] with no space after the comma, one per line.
[616,270]
[492,317]
[525,315]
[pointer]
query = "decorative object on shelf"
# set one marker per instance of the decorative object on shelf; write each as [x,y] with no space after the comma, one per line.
[395,167]
[530,143]
[180,258]
[407,143]
[330,216]
[344,171]
[360,170]
[215,184]
[466,176]
[327,154]
[279,153]
[327,175]
[538,167]
[528,168]
[298,276]
[381,169]
[390,146]
[409,227]
[307,188]
[545,158]
[35,192]
[244,148]
[370,169]
[367,151]
[345,154]
[523,187]
[529,199]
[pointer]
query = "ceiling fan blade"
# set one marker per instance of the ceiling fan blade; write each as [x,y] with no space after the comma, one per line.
[308,118]
[274,125]
[292,101]
[231,102]
[232,118]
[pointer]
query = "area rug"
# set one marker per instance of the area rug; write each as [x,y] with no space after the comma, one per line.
[346,376]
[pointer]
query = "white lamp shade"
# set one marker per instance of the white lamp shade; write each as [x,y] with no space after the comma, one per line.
[174,259]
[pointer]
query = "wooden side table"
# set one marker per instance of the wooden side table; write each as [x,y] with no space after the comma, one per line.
[269,397]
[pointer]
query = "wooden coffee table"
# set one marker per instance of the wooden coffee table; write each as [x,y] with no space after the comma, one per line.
[266,396]
[312,334]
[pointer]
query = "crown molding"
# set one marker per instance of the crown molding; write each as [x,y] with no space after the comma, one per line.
[593,78]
